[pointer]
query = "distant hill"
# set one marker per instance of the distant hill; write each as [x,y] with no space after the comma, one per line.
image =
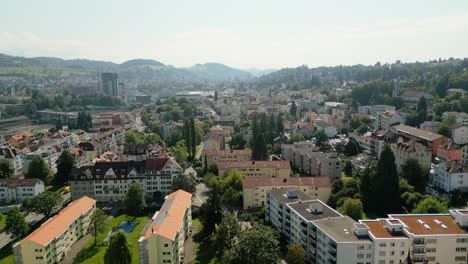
[259,72]
[142,69]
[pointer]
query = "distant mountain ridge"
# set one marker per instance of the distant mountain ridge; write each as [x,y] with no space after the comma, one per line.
[143,69]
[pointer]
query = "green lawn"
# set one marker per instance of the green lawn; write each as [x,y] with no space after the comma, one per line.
[198,149]
[8,260]
[91,254]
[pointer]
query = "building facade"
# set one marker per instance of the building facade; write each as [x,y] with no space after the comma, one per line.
[277,168]
[256,188]
[164,240]
[51,242]
[411,150]
[20,189]
[215,156]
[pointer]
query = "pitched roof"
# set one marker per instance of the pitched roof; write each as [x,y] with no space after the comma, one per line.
[13,183]
[249,182]
[417,132]
[278,164]
[158,164]
[168,220]
[58,224]
[455,167]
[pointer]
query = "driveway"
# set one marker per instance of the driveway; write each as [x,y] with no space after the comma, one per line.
[201,194]
[190,246]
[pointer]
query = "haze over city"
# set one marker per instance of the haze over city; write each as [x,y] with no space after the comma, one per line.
[241,34]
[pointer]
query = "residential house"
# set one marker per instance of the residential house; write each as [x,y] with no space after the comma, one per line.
[215,156]
[276,168]
[459,134]
[304,128]
[411,97]
[20,189]
[170,127]
[214,141]
[329,130]
[375,110]
[449,151]
[411,150]
[387,119]
[256,188]
[163,241]
[448,176]
[52,241]
[15,157]
[21,140]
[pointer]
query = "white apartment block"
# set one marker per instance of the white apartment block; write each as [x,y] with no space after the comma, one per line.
[411,150]
[20,189]
[15,157]
[374,110]
[387,119]
[164,240]
[331,238]
[448,176]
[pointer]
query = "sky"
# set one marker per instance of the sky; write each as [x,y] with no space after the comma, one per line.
[239,33]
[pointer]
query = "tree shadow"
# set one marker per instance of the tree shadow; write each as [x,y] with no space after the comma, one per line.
[87,253]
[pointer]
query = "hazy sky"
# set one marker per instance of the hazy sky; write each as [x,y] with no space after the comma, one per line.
[239,33]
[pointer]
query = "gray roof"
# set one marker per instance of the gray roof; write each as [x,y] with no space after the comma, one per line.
[280,195]
[303,209]
[339,229]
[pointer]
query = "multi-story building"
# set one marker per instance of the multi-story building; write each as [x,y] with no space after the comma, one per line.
[256,188]
[411,150]
[329,237]
[431,126]
[374,110]
[316,163]
[288,151]
[110,83]
[464,156]
[387,119]
[430,140]
[215,156]
[109,181]
[329,130]
[448,176]
[51,242]
[460,117]
[459,133]
[164,240]
[276,168]
[15,157]
[20,189]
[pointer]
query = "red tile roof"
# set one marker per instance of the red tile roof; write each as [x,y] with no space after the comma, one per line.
[414,227]
[226,152]
[13,183]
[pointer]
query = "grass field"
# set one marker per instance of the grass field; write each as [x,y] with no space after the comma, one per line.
[91,254]
[2,221]
[8,260]
[204,247]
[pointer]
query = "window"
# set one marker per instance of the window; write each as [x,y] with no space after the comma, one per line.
[460,258]
[166,245]
[462,240]
[382,244]
[460,249]
[360,247]
[430,250]
[360,256]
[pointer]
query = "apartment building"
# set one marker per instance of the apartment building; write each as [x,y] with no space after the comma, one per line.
[15,157]
[110,181]
[288,151]
[429,139]
[51,242]
[164,240]
[448,176]
[374,110]
[276,168]
[459,133]
[20,189]
[256,188]
[318,164]
[449,151]
[215,156]
[411,150]
[329,237]
[388,118]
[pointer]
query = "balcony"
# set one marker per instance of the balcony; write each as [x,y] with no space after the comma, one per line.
[332,245]
[419,243]
[418,252]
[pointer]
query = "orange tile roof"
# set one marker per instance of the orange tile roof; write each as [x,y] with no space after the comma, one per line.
[226,152]
[168,220]
[412,225]
[378,230]
[58,224]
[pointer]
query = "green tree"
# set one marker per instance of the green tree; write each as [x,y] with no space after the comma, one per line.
[231,187]
[296,138]
[237,141]
[58,125]
[183,182]
[430,205]
[352,148]
[257,245]
[38,168]
[65,164]
[320,138]
[15,223]
[193,138]
[211,212]
[259,149]
[415,175]
[118,251]
[458,198]
[179,151]
[134,200]
[296,254]
[352,208]
[227,232]
[216,96]
[348,168]
[279,124]
[422,109]
[386,184]
[98,223]
[45,203]
[293,109]
[6,169]
[444,130]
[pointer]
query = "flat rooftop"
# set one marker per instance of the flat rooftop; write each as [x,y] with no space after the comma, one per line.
[436,224]
[281,195]
[378,230]
[303,209]
[340,229]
